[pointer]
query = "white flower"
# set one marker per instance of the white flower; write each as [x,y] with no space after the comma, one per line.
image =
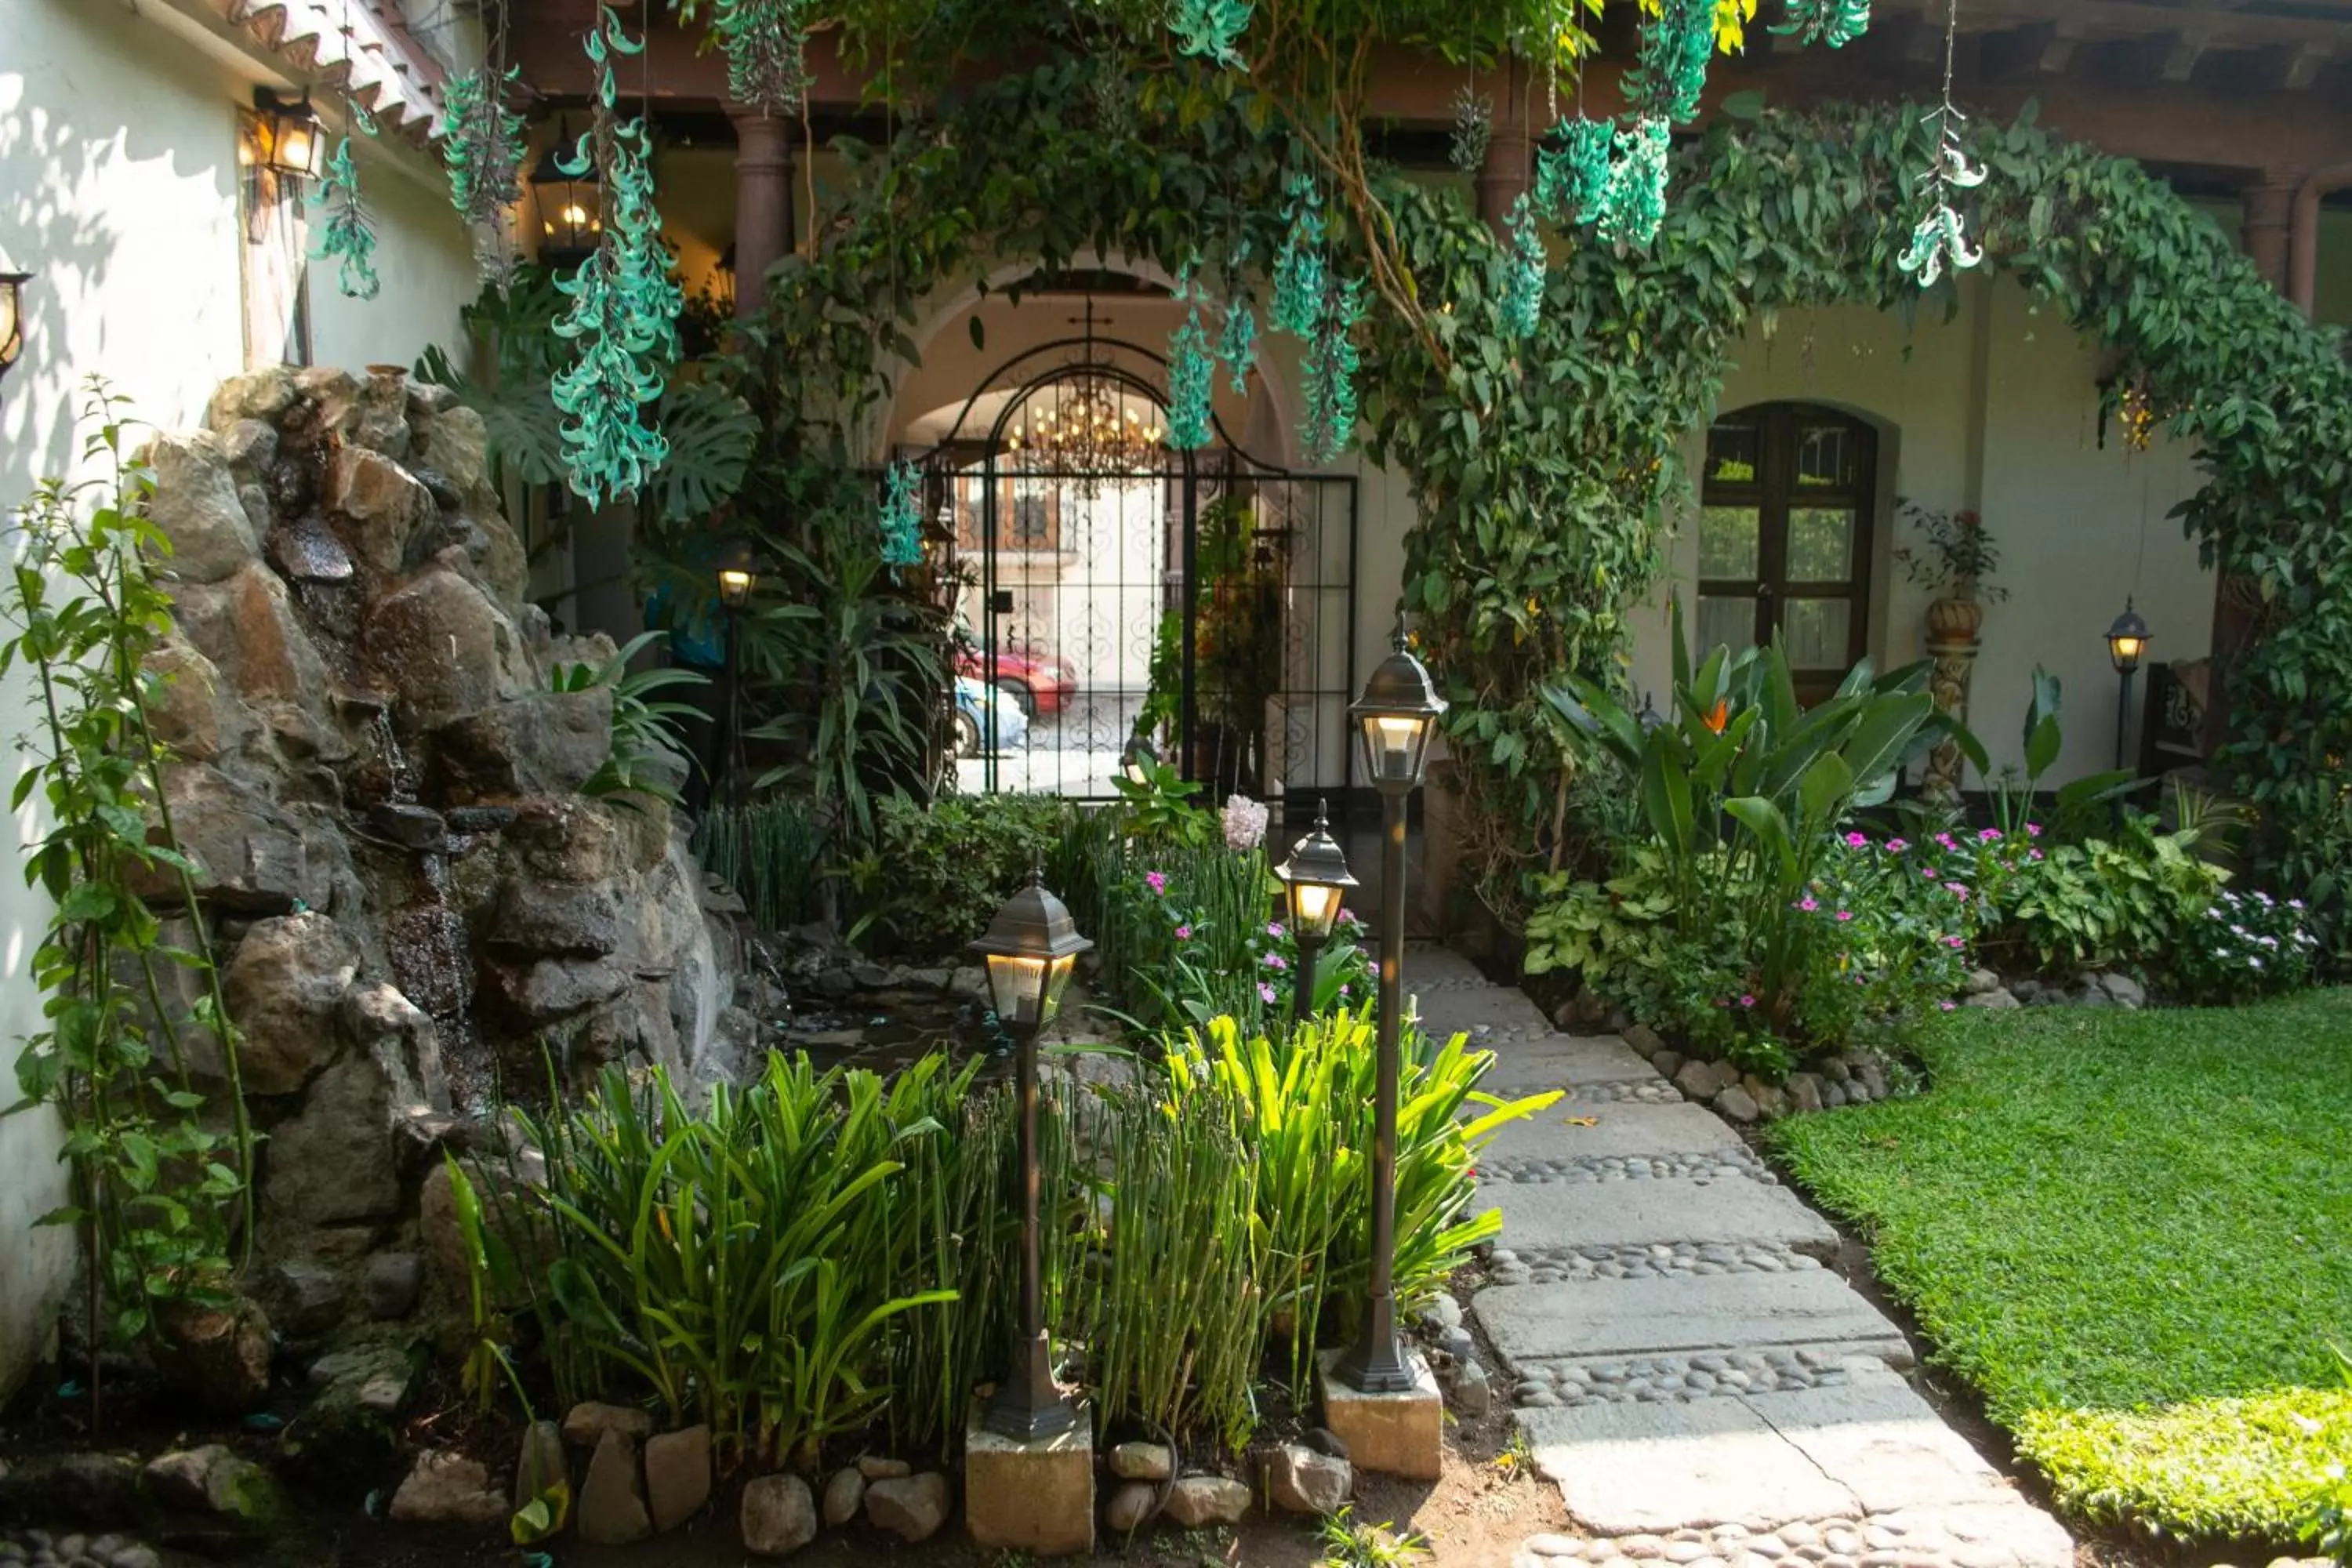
[1244,824]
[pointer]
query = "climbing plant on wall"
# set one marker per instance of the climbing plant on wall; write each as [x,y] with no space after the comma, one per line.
[1539,460]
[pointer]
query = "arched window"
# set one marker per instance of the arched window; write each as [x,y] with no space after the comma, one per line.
[1784,537]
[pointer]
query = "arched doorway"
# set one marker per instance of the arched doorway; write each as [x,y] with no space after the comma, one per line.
[1111,586]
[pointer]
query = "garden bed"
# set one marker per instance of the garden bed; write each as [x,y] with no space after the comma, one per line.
[2119,1227]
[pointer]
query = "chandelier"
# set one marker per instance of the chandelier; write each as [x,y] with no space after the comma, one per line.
[1086,427]
[1088,431]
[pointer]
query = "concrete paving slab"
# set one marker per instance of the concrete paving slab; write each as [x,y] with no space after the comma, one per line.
[1677,1209]
[1555,1061]
[1447,1011]
[2013,1534]
[1629,1469]
[1530,1324]
[1881,1441]
[1618,1130]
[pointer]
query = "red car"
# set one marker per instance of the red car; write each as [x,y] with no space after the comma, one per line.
[1039,682]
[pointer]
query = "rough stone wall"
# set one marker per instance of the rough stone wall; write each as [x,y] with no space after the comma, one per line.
[412,902]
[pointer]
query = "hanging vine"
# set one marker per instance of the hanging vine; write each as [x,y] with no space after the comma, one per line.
[1208,29]
[349,237]
[766,46]
[625,301]
[1299,273]
[1522,289]
[1572,170]
[482,144]
[1191,373]
[1237,343]
[1634,200]
[1332,362]
[1473,130]
[1836,22]
[1671,72]
[1940,238]
[902,516]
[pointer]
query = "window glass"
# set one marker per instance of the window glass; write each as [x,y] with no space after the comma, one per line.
[1815,632]
[1728,541]
[1820,544]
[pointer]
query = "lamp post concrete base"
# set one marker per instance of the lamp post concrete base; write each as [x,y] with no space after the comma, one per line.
[1392,1434]
[1034,1496]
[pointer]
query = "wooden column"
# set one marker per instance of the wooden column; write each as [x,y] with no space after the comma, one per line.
[1508,170]
[763,204]
[2262,230]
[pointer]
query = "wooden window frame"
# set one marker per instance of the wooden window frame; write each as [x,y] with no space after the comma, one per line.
[1774,493]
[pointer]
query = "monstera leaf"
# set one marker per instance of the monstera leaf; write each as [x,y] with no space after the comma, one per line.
[525,428]
[711,433]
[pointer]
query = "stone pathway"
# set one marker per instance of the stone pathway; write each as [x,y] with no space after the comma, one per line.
[1703,1389]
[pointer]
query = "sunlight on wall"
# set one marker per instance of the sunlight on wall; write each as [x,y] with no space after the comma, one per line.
[118,192]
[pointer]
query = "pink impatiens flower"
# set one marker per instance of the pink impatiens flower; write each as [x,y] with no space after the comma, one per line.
[1156,880]
[1807,903]
[1897,846]
[1948,1005]
[1845,915]
[1183,933]
[1956,941]
[1856,841]
[1274,928]
[1265,992]
[1989,835]
[2033,830]
[1747,1001]
[1275,961]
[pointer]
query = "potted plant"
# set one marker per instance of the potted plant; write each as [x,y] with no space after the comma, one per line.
[1953,558]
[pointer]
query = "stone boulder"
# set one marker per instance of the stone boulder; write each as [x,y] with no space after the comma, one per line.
[448,1488]
[843,1495]
[336,1161]
[261,394]
[383,505]
[284,988]
[197,507]
[554,989]
[612,1509]
[911,1508]
[189,708]
[444,649]
[1301,1481]
[346,1441]
[1199,1500]
[556,918]
[777,1516]
[549,744]
[1142,1461]
[217,1357]
[380,1022]
[74,1488]
[1131,1507]
[244,623]
[219,1499]
[251,856]
[677,1476]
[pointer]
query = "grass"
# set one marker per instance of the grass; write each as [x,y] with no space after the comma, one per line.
[2127,1230]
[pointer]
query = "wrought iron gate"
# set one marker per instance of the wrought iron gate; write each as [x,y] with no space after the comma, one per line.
[1209,601]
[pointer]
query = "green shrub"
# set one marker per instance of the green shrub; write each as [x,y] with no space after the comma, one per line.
[938,869]
[2241,948]
[771,853]
[2204,1470]
[1748,921]
[740,1265]
[1301,1103]
[2126,897]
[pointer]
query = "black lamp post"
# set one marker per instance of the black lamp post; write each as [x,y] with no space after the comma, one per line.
[1030,947]
[1314,883]
[1396,715]
[739,575]
[2126,643]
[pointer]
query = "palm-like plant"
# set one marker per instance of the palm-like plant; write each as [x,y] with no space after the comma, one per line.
[1742,787]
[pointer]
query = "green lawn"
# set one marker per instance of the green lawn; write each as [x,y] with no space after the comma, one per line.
[2130,1230]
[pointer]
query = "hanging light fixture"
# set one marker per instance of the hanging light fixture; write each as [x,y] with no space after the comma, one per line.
[287,135]
[1083,426]
[12,315]
[570,206]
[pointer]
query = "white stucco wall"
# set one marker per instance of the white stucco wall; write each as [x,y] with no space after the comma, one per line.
[1997,411]
[118,191]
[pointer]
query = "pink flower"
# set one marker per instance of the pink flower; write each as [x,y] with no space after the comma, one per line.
[1928,871]
[1845,915]
[1265,992]
[1157,881]
[1183,933]
[1747,1001]
[1948,1005]
[1807,904]
[1897,846]
[1274,928]
[1856,841]
[1989,835]
[1958,890]
[2033,830]
[1946,840]
[1275,961]
[2036,855]
[1347,990]
[1954,941]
